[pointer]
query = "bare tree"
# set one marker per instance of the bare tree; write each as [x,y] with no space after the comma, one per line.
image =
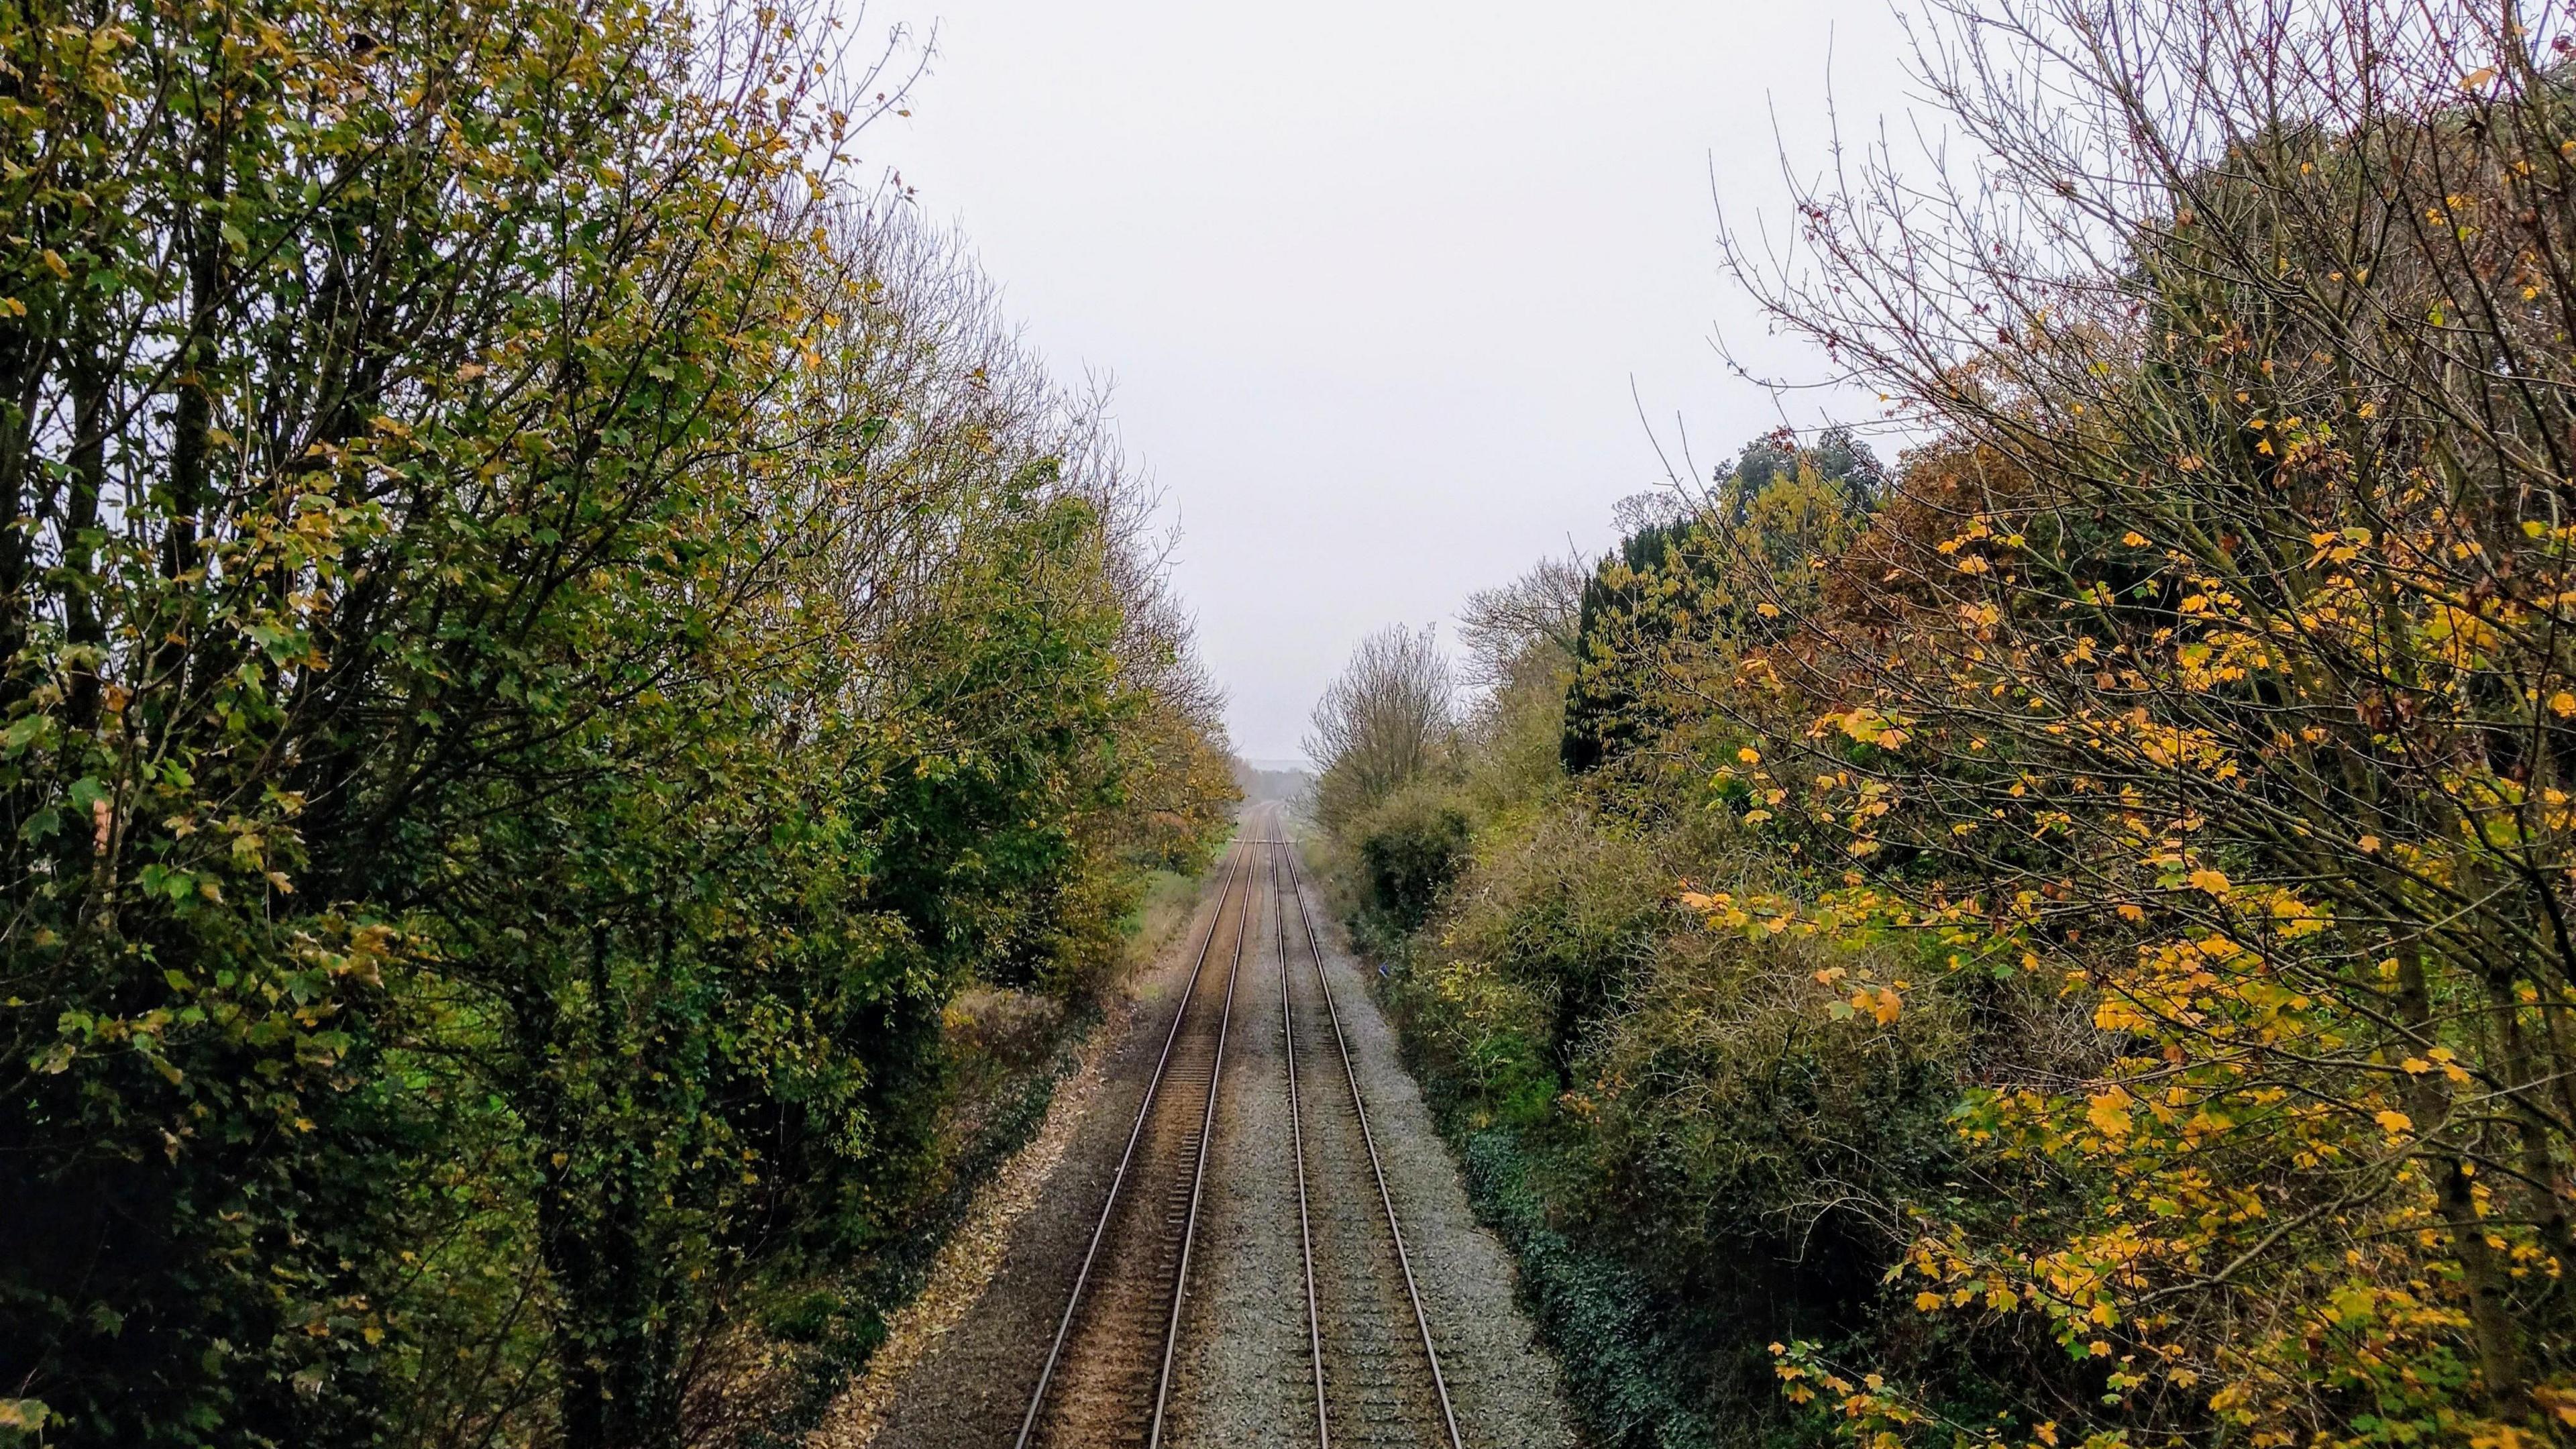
[1382,723]
[1535,613]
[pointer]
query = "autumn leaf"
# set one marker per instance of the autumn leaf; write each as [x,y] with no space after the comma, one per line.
[2109,1113]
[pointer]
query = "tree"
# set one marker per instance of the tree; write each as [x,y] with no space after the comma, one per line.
[2215,661]
[542,635]
[1665,620]
[1528,624]
[1381,723]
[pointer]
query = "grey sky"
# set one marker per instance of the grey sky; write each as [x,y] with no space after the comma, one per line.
[1373,278]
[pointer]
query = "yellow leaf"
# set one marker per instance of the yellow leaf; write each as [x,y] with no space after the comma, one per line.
[2394,1123]
[2477,78]
[2211,882]
[1926,1302]
[2562,704]
[2109,1113]
[2134,539]
[2117,1015]
[2369,844]
[1749,755]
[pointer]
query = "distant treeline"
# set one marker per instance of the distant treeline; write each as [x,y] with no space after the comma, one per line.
[2063,939]
[543,638]
[1290,787]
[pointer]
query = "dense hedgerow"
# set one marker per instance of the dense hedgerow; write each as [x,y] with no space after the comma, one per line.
[1692,1156]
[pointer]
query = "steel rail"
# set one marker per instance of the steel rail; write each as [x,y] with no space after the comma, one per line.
[1386,1199]
[1135,1134]
[1198,1174]
[1297,1125]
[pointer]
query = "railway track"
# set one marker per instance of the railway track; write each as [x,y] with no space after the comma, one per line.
[1377,1373]
[1108,1376]
[1371,1358]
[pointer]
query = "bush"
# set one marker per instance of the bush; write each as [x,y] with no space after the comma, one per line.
[1678,1114]
[1690,1154]
[1410,849]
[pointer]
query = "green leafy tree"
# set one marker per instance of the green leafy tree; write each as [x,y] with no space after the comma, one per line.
[541,637]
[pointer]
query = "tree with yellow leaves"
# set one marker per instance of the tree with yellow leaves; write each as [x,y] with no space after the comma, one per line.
[2216,662]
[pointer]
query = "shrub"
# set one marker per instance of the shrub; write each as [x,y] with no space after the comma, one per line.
[1410,848]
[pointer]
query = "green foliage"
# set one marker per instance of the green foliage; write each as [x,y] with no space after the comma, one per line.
[541,639]
[1682,600]
[1602,710]
[1592,1306]
[1410,848]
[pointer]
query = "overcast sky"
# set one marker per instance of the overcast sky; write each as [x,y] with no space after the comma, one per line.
[1374,279]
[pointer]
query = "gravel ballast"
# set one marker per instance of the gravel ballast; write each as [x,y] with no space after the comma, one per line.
[1504,1384]
[1243,1367]
[1243,1370]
